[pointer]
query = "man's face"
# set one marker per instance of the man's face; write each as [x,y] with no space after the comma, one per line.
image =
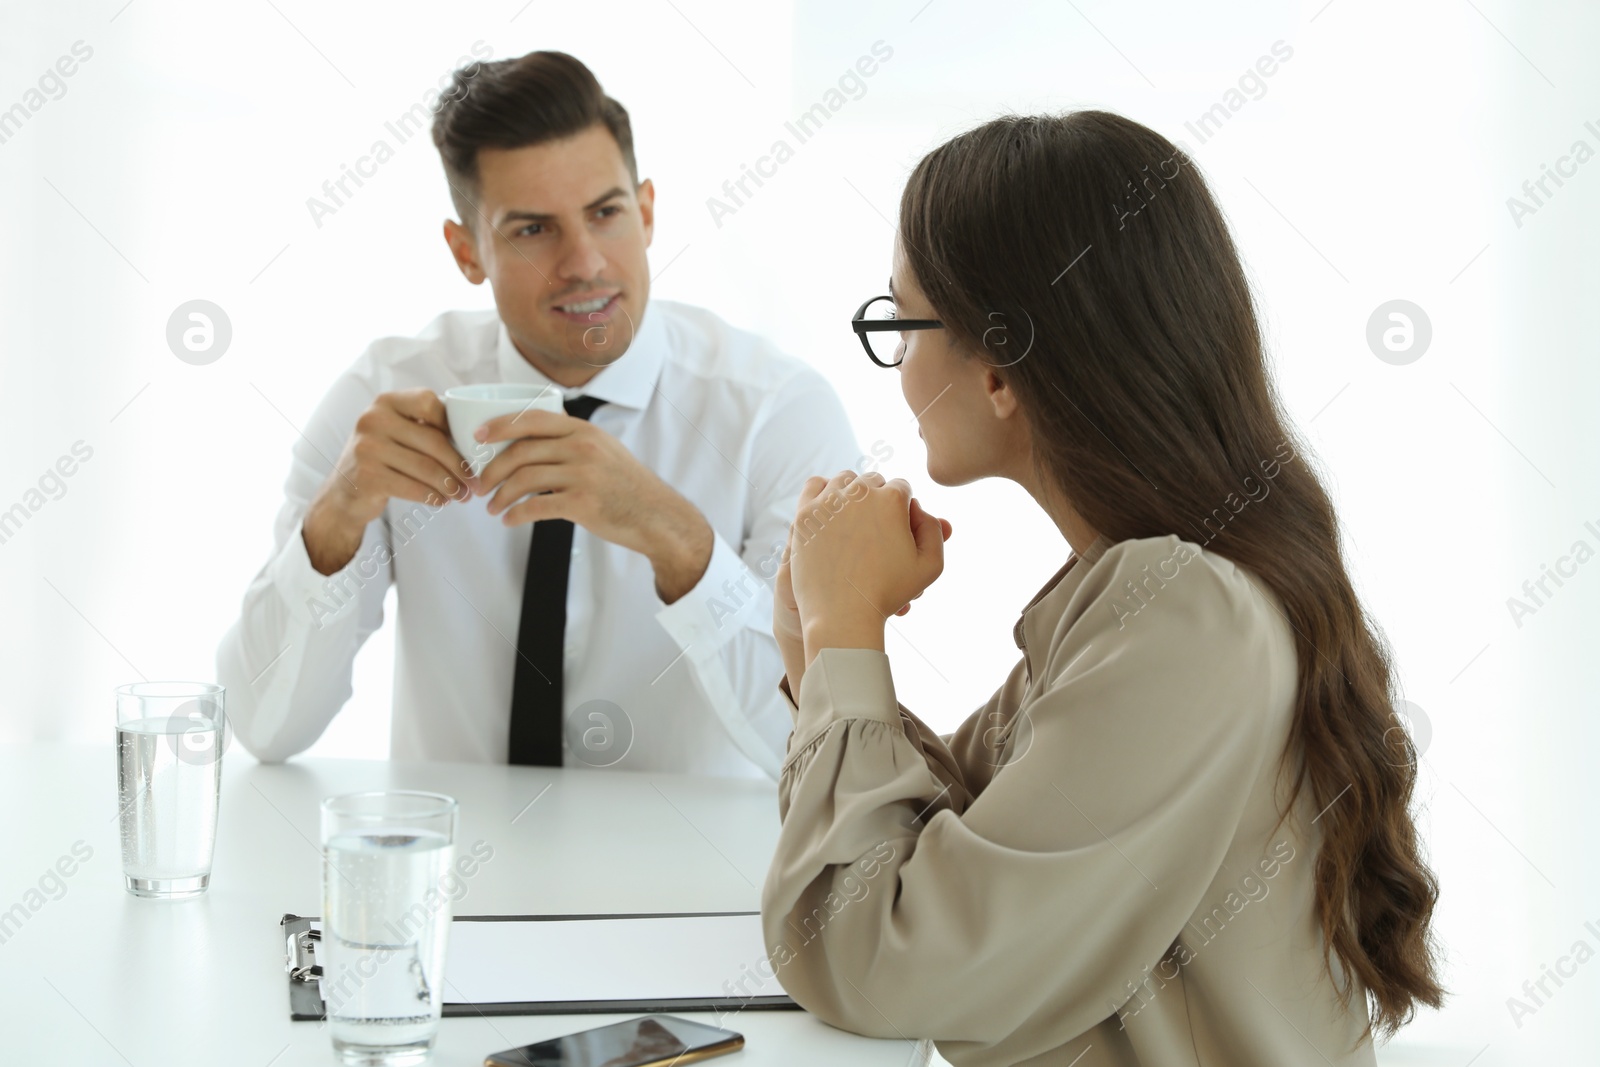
[560,232]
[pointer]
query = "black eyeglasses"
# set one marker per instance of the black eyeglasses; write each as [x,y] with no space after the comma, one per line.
[876,325]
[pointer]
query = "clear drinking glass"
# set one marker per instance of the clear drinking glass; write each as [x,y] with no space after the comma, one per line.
[385,922]
[170,739]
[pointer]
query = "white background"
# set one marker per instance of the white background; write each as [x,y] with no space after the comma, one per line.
[1376,165]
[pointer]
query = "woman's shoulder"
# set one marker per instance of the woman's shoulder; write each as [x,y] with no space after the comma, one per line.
[1166,590]
[1137,574]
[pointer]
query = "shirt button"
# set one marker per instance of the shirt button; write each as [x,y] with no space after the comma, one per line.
[576,551]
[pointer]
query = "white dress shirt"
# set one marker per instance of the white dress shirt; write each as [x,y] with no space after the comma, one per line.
[717,413]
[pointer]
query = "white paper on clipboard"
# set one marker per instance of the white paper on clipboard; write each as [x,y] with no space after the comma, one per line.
[550,959]
[656,957]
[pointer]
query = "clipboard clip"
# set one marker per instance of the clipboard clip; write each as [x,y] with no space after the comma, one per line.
[300,955]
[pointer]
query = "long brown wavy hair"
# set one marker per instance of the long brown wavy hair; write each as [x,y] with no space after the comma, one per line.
[1085,258]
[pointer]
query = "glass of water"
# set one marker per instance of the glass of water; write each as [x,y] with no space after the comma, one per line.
[385,922]
[170,739]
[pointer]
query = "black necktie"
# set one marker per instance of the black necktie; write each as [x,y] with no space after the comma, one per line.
[536,718]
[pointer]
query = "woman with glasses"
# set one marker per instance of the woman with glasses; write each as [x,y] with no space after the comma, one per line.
[1179,832]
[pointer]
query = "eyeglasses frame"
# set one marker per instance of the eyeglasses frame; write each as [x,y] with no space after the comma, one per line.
[864,326]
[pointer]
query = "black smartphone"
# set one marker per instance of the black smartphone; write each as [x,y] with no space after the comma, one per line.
[648,1041]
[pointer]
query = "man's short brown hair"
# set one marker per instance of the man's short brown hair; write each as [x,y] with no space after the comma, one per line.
[514,103]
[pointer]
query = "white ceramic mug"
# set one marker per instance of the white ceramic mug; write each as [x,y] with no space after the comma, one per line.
[470,406]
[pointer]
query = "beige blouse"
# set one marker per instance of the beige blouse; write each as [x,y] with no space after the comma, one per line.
[1090,871]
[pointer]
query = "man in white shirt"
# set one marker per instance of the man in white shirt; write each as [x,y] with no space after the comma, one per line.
[673,478]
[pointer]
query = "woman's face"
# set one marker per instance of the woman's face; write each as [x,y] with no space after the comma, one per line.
[966,416]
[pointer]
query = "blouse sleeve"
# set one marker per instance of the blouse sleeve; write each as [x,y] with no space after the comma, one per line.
[961,763]
[1076,865]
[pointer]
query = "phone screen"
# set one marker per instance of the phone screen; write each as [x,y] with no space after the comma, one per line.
[649,1039]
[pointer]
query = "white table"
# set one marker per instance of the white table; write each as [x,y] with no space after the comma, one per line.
[98,977]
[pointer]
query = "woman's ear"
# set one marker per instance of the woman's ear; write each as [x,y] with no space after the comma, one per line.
[1001,398]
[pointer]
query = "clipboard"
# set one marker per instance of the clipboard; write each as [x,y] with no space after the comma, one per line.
[301,944]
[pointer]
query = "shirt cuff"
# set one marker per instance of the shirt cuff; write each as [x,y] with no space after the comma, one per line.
[304,588]
[727,597]
[844,683]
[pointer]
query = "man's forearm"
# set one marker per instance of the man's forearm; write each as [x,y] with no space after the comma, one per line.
[683,551]
[331,540]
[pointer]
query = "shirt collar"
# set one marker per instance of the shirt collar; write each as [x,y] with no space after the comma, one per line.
[629,382]
[1066,579]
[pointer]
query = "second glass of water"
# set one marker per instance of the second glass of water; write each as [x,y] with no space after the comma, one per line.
[170,738]
[385,922]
